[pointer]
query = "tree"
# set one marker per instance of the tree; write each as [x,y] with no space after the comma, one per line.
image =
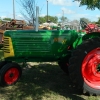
[85,20]
[75,24]
[42,20]
[63,19]
[0,20]
[98,22]
[7,19]
[29,7]
[53,19]
[91,4]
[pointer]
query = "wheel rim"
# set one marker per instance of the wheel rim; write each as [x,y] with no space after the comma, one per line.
[11,75]
[91,69]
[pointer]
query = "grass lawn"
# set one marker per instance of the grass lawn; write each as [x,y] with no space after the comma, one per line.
[43,81]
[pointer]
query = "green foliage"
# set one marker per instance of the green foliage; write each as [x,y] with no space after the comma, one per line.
[86,20]
[91,4]
[63,19]
[41,20]
[7,19]
[0,21]
[51,18]
[98,22]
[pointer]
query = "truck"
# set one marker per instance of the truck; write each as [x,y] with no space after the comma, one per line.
[77,53]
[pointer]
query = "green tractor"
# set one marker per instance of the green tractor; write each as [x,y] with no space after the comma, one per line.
[77,53]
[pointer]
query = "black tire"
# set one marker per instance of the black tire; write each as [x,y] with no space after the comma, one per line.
[64,66]
[76,63]
[2,63]
[64,63]
[10,74]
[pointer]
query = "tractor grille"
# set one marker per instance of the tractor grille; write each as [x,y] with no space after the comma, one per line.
[31,45]
[6,45]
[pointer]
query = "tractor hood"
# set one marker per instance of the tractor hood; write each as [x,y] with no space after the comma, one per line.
[42,43]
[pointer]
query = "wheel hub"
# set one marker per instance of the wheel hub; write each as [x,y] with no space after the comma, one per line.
[98,68]
[11,75]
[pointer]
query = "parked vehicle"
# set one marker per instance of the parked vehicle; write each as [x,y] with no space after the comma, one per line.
[77,53]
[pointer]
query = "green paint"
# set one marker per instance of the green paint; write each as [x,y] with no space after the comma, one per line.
[45,45]
[51,44]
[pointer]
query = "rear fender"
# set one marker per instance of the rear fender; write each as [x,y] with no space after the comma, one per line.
[79,40]
[91,35]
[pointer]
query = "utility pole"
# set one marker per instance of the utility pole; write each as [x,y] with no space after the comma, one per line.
[47,10]
[63,19]
[63,15]
[13,10]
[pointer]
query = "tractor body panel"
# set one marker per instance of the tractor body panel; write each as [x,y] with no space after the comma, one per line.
[45,44]
[82,36]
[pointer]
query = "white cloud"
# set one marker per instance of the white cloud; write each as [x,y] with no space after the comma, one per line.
[61,2]
[67,11]
[97,16]
[64,2]
[78,16]
[81,15]
[85,15]
[42,15]
[19,17]
[3,17]
[76,3]
[59,15]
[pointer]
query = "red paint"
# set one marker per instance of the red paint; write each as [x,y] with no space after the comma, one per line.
[89,68]
[91,28]
[11,75]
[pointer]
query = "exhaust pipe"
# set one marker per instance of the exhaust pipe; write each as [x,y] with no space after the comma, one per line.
[37,17]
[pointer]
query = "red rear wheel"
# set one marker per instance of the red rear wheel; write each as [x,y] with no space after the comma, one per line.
[84,66]
[91,68]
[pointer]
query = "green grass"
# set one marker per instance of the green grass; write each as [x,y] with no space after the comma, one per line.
[43,81]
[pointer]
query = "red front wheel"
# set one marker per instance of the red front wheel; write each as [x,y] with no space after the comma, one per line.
[10,73]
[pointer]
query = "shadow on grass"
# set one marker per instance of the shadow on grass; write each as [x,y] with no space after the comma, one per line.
[42,82]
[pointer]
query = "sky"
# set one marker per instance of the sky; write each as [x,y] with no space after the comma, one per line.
[58,8]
